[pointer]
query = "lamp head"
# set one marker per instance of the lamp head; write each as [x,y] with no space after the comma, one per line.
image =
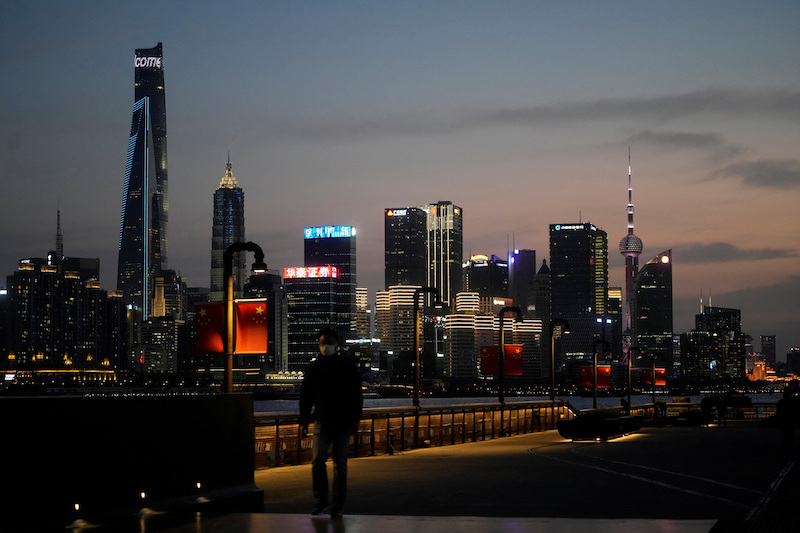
[259,267]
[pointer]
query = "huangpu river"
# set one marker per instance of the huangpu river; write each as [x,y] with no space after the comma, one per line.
[579,402]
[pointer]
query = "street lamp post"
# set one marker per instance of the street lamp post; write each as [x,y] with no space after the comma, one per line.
[259,266]
[415,394]
[630,361]
[501,360]
[607,348]
[565,325]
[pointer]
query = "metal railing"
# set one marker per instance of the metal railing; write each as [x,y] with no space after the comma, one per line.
[389,430]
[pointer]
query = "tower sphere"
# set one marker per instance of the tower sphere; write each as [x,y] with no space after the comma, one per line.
[631,245]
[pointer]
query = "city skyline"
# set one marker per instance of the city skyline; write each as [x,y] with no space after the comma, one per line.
[521,114]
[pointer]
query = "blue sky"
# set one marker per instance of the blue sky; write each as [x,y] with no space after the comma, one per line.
[519,112]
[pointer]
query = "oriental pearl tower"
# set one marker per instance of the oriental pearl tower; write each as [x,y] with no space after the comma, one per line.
[630,246]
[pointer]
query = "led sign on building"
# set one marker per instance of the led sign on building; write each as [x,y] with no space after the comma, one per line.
[326,232]
[310,272]
[151,62]
[396,212]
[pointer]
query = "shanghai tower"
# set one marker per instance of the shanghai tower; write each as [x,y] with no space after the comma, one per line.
[144,223]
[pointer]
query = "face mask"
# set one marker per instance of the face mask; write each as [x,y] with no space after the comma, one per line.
[327,349]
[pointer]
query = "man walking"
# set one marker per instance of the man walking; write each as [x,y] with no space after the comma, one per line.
[332,387]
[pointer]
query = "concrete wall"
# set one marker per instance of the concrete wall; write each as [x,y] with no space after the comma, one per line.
[104,452]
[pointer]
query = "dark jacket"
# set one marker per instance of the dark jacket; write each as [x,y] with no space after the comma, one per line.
[332,387]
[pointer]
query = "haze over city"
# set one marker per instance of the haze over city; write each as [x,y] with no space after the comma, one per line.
[521,113]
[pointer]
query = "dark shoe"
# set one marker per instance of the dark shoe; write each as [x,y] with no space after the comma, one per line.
[319,508]
[336,512]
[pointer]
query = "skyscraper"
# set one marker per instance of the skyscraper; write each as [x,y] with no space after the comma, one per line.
[630,246]
[228,228]
[768,349]
[445,249]
[488,276]
[406,246]
[579,284]
[315,301]
[521,273]
[335,246]
[143,223]
[149,83]
[651,321]
[424,246]
[62,326]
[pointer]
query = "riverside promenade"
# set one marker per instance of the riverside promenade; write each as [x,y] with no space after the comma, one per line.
[740,477]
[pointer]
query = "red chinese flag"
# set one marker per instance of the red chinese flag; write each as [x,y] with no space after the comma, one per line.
[489,359]
[512,362]
[586,378]
[251,327]
[603,376]
[209,328]
[661,376]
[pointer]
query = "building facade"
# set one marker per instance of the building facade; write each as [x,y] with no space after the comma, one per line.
[445,249]
[488,276]
[651,324]
[521,273]
[63,329]
[579,286]
[144,222]
[406,246]
[315,299]
[335,246]
[228,228]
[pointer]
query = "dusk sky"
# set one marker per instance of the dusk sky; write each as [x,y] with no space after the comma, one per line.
[521,113]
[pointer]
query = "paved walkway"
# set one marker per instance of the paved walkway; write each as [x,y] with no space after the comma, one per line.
[678,479]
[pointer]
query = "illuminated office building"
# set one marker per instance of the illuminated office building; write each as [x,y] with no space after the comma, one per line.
[316,299]
[715,349]
[579,285]
[424,246]
[228,228]
[406,246]
[335,246]
[62,327]
[145,204]
[445,249]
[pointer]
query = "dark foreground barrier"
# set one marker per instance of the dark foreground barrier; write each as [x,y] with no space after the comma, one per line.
[73,459]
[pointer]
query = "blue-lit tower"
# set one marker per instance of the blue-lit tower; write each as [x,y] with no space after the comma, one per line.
[143,223]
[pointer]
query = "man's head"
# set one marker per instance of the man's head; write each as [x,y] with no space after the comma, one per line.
[328,341]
